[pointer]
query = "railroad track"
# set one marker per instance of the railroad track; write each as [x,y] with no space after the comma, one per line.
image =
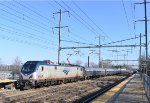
[91,97]
[65,93]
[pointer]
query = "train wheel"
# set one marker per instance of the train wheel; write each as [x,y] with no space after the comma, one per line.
[21,88]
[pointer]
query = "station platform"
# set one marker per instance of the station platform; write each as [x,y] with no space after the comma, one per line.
[7,81]
[130,90]
[7,84]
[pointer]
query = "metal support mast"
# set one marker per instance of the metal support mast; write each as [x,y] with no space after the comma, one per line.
[145,10]
[59,36]
[140,54]
[59,27]
[99,51]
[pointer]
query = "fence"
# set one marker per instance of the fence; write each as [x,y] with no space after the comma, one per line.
[146,81]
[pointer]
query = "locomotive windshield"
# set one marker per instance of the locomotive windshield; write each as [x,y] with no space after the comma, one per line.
[29,67]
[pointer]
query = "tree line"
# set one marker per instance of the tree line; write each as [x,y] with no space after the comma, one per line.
[14,67]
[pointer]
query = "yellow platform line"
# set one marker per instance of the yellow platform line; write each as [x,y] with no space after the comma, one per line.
[7,81]
[105,97]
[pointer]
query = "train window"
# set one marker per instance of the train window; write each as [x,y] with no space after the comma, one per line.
[42,68]
[81,69]
[55,67]
[77,68]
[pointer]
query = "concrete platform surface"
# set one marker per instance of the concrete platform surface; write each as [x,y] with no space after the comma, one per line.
[132,92]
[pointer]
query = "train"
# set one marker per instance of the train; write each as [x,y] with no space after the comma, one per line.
[43,73]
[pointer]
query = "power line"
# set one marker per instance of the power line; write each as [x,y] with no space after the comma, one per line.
[124,40]
[90,19]
[103,46]
[23,41]
[33,19]
[76,42]
[106,45]
[79,37]
[93,30]
[22,18]
[37,13]
[24,14]
[14,21]
[74,17]
[131,5]
[126,18]
[25,35]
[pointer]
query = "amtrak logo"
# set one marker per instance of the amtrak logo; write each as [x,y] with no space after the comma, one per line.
[66,71]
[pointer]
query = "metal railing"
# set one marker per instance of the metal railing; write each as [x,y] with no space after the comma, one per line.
[146,81]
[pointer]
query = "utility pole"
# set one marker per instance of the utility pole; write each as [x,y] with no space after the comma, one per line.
[145,9]
[140,58]
[88,61]
[59,32]
[124,58]
[145,20]
[140,53]
[99,50]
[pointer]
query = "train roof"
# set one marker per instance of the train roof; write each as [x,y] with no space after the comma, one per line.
[100,69]
[51,64]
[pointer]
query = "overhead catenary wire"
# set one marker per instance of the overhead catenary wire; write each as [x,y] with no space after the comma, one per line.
[25,32]
[24,26]
[91,28]
[24,15]
[20,34]
[126,18]
[20,24]
[35,12]
[74,18]
[86,26]
[22,18]
[124,40]
[5,37]
[91,20]
[30,10]
[132,12]
[14,21]
[76,42]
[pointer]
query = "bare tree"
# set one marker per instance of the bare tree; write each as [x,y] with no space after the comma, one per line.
[17,64]
[17,61]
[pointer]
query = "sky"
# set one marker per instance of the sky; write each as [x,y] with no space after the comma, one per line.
[28,29]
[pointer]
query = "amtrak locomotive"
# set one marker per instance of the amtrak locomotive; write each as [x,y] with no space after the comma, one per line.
[42,73]
[39,73]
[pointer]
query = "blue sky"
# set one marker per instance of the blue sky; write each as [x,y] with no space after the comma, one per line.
[26,28]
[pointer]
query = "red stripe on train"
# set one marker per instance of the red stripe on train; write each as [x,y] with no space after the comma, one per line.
[56,78]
